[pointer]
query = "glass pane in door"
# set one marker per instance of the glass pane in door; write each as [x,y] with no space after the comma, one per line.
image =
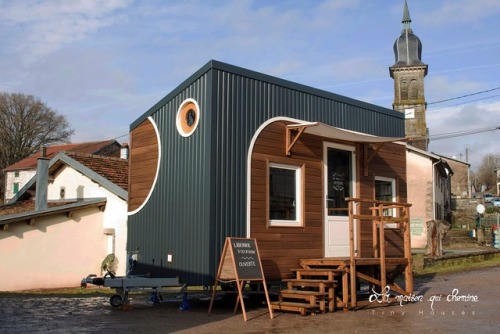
[339,180]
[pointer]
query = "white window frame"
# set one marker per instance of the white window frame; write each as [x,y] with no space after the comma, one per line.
[393,189]
[298,222]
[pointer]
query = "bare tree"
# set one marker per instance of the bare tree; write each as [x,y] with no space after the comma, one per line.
[485,174]
[25,124]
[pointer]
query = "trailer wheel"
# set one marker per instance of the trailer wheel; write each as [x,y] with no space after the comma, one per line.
[116,300]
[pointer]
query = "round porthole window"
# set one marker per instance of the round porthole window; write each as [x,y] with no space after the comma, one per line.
[188,117]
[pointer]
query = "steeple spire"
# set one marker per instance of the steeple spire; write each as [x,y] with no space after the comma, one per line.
[406,17]
[407,48]
[408,73]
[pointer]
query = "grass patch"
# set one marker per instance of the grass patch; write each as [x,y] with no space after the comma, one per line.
[419,270]
[90,291]
[63,292]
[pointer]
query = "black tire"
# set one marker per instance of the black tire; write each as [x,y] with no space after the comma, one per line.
[116,300]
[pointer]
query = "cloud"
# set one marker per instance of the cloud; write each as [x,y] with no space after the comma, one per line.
[457,12]
[38,28]
[94,60]
[475,123]
[440,87]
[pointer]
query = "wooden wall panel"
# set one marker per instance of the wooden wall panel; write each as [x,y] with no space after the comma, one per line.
[389,161]
[281,248]
[143,160]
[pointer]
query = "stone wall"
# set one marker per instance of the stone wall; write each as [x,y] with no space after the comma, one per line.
[460,179]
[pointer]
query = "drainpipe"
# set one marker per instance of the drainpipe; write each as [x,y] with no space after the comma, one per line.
[42,180]
[434,189]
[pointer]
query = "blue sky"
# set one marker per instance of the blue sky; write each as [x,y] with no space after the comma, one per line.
[104,63]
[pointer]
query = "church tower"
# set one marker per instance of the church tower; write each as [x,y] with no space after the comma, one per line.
[408,73]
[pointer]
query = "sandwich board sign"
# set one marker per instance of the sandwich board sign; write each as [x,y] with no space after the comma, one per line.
[240,263]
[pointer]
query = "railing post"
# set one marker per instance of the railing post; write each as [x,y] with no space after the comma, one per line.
[407,251]
[375,223]
[381,227]
[352,263]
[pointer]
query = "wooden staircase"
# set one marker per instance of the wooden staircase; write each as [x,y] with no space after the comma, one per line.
[309,292]
[315,282]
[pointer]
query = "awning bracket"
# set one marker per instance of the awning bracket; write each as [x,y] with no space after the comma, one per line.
[367,158]
[298,129]
[291,140]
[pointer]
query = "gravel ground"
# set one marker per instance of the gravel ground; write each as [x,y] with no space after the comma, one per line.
[464,302]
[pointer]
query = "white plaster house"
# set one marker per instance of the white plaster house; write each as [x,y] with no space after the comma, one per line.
[429,191]
[70,228]
[18,174]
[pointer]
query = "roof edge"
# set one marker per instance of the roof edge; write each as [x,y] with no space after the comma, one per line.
[79,205]
[205,68]
[91,174]
[218,65]
[115,189]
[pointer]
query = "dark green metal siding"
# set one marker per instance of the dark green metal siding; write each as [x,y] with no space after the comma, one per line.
[176,219]
[200,196]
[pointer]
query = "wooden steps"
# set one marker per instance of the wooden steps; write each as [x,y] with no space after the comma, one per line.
[302,308]
[380,267]
[327,287]
[311,301]
[315,287]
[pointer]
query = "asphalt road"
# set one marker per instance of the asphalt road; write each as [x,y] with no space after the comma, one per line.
[465,302]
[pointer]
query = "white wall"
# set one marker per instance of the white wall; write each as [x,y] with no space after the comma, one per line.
[56,251]
[115,215]
[426,187]
[10,179]
[419,174]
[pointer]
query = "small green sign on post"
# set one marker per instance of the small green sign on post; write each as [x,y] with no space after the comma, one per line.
[416,226]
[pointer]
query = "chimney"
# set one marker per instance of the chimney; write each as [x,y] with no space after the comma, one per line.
[42,180]
[124,151]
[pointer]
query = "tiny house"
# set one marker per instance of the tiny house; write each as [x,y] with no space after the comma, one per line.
[235,153]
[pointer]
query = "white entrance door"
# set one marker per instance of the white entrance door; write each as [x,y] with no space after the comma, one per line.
[340,183]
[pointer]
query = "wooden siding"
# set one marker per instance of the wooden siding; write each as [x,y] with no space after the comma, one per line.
[390,162]
[281,248]
[143,160]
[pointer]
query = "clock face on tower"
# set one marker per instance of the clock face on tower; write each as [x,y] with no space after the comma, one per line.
[409,113]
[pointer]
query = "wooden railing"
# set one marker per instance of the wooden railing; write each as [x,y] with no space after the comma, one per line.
[381,213]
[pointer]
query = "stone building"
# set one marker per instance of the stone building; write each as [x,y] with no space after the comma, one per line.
[460,182]
[408,73]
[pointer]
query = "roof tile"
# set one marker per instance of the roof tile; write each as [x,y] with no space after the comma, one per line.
[113,169]
[30,162]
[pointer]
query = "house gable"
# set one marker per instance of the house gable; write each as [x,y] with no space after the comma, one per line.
[96,168]
[22,171]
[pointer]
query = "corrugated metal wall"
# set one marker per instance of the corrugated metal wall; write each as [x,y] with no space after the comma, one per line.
[242,104]
[200,197]
[176,219]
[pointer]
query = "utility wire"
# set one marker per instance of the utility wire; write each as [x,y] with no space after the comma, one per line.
[459,104]
[467,95]
[446,135]
[125,135]
[462,133]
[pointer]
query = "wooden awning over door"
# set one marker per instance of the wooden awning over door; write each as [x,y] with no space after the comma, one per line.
[295,130]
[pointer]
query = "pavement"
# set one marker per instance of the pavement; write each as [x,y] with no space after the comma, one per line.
[464,302]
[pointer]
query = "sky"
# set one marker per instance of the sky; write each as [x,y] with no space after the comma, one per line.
[103,63]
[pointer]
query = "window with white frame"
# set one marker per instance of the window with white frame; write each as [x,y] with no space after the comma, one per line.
[285,195]
[385,190]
